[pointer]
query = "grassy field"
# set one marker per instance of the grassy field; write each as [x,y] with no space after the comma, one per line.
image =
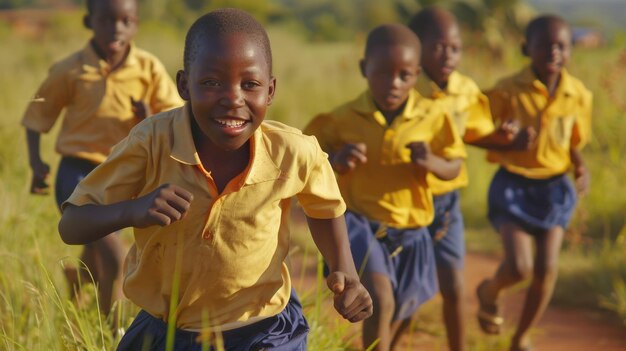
[34,310]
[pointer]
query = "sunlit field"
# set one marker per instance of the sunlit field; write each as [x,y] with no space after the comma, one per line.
[35,312]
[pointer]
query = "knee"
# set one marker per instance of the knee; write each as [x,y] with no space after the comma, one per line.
[384,304]
[451,289]
[546,270]
[521,270]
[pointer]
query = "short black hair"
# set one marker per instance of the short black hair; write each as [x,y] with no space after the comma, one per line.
[388,35]
[90,5]
[428,19]
[223,22]
[542,23]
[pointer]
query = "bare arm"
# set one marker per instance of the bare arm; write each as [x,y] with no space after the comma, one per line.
[581,174]
[442,168]
[40,169]
[88,223]
[351,299]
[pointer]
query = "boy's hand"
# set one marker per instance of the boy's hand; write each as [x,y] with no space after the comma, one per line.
[507,132]
[525,139]
[348,157]
[163,206]
[141,110]
[420,154]
[38,184]
[582,180]
[351,299]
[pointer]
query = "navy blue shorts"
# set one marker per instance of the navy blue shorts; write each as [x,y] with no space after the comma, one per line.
[287,331]
[71,171]
[536,205]
[447,231]
[404,255]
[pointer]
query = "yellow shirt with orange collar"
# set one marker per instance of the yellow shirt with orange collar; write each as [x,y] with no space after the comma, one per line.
[468,108]
[228,252]
[388,188]
[97,102]
[562,121]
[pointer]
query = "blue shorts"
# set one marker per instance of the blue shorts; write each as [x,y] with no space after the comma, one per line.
[71,171]
[447,231]
[405,256]
[287,331]
[536,205]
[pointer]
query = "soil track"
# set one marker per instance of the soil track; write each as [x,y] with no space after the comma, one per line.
[561,329]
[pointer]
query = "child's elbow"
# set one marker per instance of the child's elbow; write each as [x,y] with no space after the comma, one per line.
[66,230]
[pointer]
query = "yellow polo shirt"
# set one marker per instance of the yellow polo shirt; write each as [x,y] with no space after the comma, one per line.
[97,102]
[232,245]
[469,109]
[388,188]
[562,121]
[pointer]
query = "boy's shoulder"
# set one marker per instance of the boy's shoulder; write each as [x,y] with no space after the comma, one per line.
[146,58]
[462,84]
[280,138]
[68,63]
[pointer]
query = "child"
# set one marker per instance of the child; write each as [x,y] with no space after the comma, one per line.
[382,145]
[105,88]
[207,188]
[439,33]
[531,198]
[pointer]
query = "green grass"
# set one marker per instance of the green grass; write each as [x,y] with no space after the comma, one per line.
[35,312]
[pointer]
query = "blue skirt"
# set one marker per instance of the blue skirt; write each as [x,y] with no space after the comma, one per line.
[536,205]
[287,331]
[448,231]
[405,256]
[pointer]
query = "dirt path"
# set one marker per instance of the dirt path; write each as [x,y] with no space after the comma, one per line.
[561,329]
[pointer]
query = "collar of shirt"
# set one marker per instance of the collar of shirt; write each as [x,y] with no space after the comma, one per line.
[364,105]
[428,88]
[262,167]
[93,63]
[565,88]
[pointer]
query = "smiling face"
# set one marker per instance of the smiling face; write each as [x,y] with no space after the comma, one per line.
[114,25]
[441,52]
[229,87]
[549,48]
[391,72]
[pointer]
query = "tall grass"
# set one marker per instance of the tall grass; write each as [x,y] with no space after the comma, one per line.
[35,312]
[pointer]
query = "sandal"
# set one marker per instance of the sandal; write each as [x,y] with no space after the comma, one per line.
[488,318]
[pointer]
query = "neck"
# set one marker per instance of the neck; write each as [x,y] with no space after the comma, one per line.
[391,115]
[115,60]
[442,85]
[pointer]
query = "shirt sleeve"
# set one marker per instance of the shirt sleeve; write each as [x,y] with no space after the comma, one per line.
[46,105]
[121,177]
[581,134]
[479,122]
[322,127]
[164,93]
[320,197]
[446,142]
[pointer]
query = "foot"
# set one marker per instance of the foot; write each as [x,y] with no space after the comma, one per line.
[521,344]
[488,317]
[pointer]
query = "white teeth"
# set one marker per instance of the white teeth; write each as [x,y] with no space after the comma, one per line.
[232,123]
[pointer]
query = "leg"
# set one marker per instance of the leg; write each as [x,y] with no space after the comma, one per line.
[451,286]
[106,256]
[542,285]
[377,327]
[516,266]
[397,329]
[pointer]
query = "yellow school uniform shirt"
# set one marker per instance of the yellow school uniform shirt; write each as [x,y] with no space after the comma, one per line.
[468,108]
[388,188]
[561,121]
[97,103]
[230,247]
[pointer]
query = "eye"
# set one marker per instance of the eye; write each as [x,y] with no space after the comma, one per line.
[210,83]
[250,84]
[405,75]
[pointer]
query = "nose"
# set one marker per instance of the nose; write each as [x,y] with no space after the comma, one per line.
[232,97]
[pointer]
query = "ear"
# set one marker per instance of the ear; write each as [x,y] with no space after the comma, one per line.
[362,67]
[182,85]
[87,21]
[524,48]
[271,91]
